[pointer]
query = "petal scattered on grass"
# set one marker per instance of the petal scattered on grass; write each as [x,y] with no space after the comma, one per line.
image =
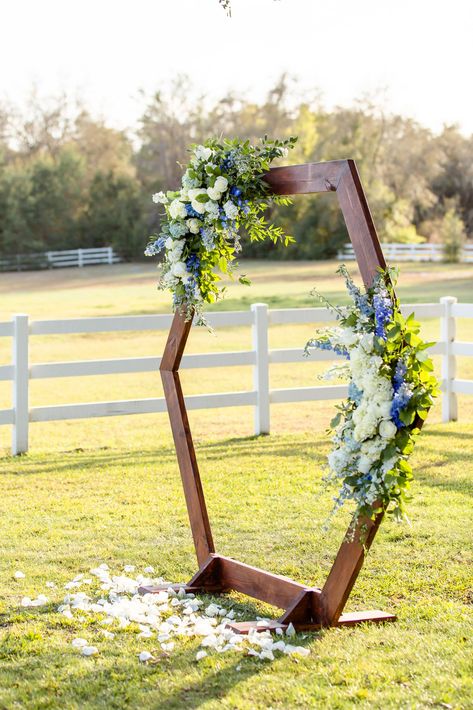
[89,650]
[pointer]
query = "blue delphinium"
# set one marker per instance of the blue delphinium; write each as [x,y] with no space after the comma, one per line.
[208,238]
[191,211]
[383,310]
[327,345]
[402,393]
[193,263]
[354,393]
[360,299]
[155,247]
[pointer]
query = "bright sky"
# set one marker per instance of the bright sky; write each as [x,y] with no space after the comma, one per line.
[419,52]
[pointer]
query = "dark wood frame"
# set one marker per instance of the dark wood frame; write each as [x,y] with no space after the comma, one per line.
[305,607]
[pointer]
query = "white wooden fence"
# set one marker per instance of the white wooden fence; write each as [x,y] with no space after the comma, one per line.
[410,252]
[260,357]
[59,259]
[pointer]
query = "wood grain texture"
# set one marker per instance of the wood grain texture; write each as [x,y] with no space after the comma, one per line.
[271,588]
[359,222]
[176,342]
[346,567]
[188,467]
[306,179]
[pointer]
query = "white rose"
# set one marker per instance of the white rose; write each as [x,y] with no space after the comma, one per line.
[194,225]
[212,209]
[195,191]
[364,464]
[169,243]
[231,210]
[198,206]
[179,269]
[203,153]
[160,198]
[177,209]
[213,193]
[221,183]
[387,429]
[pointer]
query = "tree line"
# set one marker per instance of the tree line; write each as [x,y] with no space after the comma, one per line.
[69,180]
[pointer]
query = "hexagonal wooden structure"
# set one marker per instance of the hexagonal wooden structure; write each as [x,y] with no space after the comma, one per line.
[306,607]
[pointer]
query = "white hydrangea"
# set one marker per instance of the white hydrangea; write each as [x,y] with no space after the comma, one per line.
[160,198]
[212,210]
[174,254]
[231,210]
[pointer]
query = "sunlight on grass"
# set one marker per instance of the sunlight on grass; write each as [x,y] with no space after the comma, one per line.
[108,490]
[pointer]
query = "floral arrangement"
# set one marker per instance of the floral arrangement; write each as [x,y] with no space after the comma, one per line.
[390,391]
[222,192]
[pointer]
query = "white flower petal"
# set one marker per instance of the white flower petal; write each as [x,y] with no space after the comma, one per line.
[89,650]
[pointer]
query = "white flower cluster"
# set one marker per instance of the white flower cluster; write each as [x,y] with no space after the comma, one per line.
[361,440]
[163,617]
[195,208]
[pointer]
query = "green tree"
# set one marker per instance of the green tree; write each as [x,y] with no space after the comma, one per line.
[113,215]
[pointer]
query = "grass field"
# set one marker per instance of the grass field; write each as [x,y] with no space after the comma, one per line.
[107,490]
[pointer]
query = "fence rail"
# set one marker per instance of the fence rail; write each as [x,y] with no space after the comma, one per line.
[410,252]
[20,371]
[59,259]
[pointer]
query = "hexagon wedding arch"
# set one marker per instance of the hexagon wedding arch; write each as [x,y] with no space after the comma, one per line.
[305,607]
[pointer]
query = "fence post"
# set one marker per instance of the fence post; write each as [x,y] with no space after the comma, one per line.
[110,255]
[449,365]
[80,258]
[261,368]
[20,384]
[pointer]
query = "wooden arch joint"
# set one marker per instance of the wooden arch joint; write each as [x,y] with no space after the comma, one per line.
[305,607]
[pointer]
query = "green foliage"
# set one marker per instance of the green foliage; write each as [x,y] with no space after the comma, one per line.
[410,175]
[113,214]
[452,235]
[106,507]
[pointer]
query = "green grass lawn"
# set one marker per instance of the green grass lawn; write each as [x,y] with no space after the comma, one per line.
[108,490]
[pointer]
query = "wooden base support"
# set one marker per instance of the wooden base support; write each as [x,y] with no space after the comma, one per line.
[350,619]
[305,606]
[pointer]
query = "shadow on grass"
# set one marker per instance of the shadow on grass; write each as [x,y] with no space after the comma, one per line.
[244,447]
[213,683]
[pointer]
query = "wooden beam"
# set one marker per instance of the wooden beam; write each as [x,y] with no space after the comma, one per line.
[176,342]
[359,222]
[271,588]
[188,467]
[305,179]
[346,567]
